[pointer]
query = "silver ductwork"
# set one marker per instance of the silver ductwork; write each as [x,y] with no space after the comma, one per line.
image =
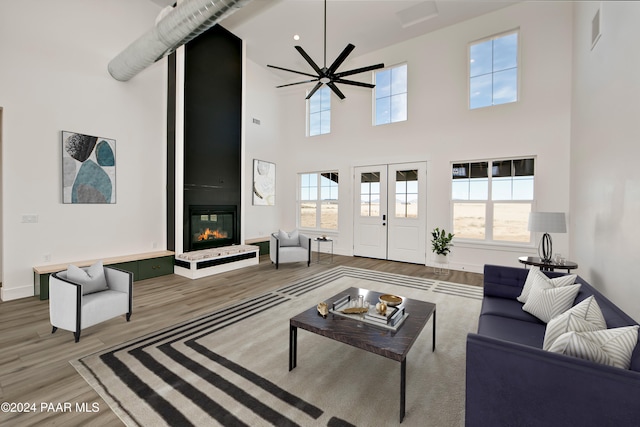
[184,23]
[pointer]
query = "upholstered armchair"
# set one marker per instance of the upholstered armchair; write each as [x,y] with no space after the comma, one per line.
[83,297]
[289,247]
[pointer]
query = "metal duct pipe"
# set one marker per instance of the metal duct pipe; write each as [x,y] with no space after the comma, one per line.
[184,23]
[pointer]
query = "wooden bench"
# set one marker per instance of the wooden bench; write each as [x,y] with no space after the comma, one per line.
[143,266]
[261,242]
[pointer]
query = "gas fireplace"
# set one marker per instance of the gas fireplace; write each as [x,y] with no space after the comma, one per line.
[212,226]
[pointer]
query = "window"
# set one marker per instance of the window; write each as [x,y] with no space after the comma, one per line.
[407,194]
[320,112]
[391,95]
[318,205]
[491,200]
[370,194]
[493,71]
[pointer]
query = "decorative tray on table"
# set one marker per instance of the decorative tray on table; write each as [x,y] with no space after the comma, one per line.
[392,319]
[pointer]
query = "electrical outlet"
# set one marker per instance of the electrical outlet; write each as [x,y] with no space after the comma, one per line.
[47,257]
[155,245]
[29,219]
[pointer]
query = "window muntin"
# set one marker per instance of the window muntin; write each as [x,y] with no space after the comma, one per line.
[407,194]
[320,112]
[318,206]
[491,200]
[493,71]
[391,95]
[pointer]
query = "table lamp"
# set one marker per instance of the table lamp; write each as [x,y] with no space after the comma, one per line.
[547,222]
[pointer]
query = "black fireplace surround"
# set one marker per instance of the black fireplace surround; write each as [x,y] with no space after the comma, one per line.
[213,226]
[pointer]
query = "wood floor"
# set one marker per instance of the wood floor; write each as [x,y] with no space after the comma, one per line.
[34,364]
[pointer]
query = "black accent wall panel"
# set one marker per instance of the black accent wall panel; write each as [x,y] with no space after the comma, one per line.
[213,122]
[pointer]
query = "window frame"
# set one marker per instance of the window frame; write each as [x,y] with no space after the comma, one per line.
[375,98]
[518,68]
[490,203]
[324,90]
[318,200]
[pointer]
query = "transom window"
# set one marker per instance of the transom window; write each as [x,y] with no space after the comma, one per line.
[391,95]
[491,200]
[318,202]
[493,70]
[319,106]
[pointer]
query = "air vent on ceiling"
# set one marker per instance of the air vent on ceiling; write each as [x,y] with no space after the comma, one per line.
[416,14]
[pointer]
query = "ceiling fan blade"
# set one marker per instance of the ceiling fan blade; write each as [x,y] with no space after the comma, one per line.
[309,60]
[358,70]
[315,88]
[354,83]
[291,71]
[298,83]
[340,59]
[335,90]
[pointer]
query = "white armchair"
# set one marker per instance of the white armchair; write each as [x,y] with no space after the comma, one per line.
[289,247]
[76,303]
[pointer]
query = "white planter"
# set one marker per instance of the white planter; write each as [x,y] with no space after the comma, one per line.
[441,259]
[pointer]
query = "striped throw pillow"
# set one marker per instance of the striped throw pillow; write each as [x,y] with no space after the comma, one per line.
[612,347]
[548,299]
[584,316]
[568,279]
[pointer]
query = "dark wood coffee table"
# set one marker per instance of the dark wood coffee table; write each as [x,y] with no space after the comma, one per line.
[387,343]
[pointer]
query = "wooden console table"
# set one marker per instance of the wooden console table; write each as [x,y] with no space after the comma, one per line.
[143,266]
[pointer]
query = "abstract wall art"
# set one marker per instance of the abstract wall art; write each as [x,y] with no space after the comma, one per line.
[88,169]
[264,183]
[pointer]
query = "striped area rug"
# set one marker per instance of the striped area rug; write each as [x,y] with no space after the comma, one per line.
[230,367]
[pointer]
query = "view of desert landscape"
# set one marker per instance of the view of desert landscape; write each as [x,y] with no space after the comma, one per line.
[510,219]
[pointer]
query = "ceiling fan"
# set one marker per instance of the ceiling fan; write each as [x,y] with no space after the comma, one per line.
[329,76]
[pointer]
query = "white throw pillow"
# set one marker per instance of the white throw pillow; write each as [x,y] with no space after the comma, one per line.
[527,284]
[584,316]
[568,279]
[91,278]
[612,347]
[548,299]
[288,239]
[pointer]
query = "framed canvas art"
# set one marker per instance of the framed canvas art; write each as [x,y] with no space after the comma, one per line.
[88,169]
[264,183]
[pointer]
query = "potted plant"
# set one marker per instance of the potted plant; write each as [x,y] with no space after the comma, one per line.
[441,244]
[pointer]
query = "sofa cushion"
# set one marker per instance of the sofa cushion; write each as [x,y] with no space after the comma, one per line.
[612,347]
[513,330]
[534,273]
[582,317]
[91,278]
[506,307]
[548,299]
[288,239]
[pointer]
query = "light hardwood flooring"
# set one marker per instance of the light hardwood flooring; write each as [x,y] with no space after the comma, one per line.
[34,364]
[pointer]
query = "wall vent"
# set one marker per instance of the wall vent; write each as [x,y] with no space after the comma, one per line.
[596,27]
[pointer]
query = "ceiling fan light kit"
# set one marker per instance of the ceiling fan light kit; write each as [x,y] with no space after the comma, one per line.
[329,76]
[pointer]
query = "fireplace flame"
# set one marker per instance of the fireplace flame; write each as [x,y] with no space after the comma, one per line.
[215,234]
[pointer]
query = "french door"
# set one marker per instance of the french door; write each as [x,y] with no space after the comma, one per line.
[390,213]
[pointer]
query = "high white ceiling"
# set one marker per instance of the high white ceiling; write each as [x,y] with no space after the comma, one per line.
[268,26]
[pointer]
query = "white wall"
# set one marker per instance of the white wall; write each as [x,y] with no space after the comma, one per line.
[605,178]
[442,129]
[54,77]
[263,142]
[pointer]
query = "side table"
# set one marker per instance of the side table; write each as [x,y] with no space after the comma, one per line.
[325,240]
[547,266]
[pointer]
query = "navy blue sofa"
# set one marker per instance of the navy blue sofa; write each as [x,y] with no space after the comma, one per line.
[511,381]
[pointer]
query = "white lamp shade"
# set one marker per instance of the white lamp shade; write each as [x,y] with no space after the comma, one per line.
[547,222]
